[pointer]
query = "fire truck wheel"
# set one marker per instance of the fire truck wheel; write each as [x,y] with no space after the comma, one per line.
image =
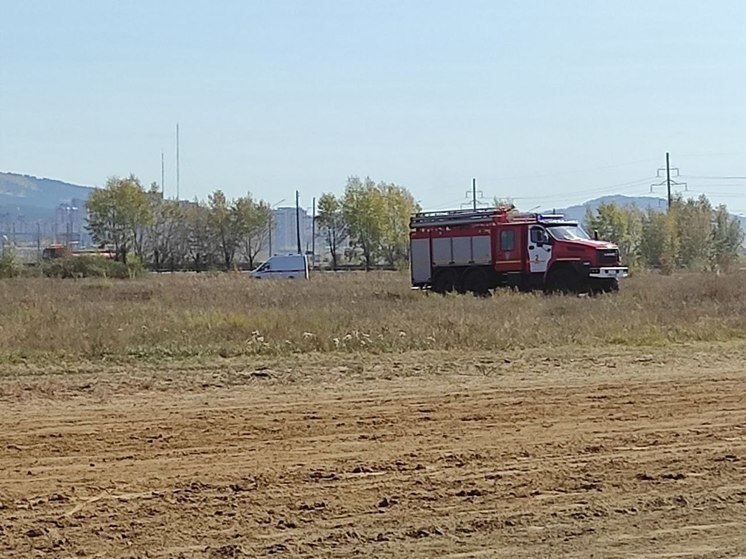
[604,286]
[611,286]
[445,281]
[476,282]
[562,280]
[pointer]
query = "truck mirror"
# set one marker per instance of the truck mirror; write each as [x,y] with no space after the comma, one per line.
[595,234]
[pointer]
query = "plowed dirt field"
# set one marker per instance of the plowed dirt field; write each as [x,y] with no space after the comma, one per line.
[584,454]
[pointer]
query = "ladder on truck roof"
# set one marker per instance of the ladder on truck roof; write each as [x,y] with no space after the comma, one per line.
[454,217]
[481,215]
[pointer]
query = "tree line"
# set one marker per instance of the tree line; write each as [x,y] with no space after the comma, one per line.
[691,235]
[368,224]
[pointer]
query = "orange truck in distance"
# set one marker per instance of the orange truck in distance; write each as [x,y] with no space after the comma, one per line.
[55,251]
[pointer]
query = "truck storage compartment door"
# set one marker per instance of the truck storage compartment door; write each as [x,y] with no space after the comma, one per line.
[442,254]
[420,261]
[462,251]
[481,249]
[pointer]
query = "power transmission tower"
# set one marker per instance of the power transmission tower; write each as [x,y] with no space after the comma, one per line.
[667,181]
[473,195]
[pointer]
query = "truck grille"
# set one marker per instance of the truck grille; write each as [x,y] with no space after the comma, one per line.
[608,257]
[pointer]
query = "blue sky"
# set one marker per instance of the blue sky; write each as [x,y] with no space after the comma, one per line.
[547,102]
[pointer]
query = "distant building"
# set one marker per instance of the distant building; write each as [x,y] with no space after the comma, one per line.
[66,224]
[284,232]
[70,224]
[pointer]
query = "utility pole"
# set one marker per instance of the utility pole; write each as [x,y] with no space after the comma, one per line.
[177,161]
[270,236]
[313,232]
[163,176]
[297,220]
[668,181]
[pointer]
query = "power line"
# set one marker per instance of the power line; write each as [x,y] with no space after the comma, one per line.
[574,172]
[597,190]
[722,194]
[447,205]
[669,181]
[714,154]
[712,177]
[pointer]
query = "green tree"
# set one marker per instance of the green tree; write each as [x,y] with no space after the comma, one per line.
[253,219]
[197,236]
[165,237]
[332,225]
[727,240]
[399,205]
[620,225]
[364,211]
[9,266]
[224,226]
[119,214]
[653,241]
[693,221]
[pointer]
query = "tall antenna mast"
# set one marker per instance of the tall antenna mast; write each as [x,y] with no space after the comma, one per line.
[177,161]
[297,219]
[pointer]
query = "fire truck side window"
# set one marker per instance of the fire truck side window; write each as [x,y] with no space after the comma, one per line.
[507,241]
[538,235]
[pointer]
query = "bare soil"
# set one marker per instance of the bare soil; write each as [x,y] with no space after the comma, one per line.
[592,453]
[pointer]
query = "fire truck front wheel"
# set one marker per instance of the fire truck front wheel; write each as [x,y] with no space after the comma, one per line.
[562,279]
[605,286]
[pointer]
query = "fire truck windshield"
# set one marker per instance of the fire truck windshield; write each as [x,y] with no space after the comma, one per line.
[568,232]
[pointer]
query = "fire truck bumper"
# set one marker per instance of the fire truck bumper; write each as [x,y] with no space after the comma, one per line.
[611,272]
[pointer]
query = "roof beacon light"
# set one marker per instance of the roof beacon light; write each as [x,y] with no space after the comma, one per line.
[550,217]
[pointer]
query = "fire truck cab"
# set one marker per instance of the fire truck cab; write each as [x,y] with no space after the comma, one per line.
[479,250]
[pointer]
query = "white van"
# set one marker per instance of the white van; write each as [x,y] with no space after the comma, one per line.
[286,266]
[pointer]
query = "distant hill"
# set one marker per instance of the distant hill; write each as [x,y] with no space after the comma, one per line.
[33,197]
[577,212]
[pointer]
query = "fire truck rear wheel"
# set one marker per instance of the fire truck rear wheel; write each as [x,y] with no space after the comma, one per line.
[476,281]
[445,281]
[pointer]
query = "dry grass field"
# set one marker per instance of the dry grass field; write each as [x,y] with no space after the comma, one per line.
[203,316]
[217,417]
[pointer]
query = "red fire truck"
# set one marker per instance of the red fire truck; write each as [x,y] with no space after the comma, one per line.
[478,250]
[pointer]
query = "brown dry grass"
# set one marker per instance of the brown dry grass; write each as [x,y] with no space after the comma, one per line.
[187,316]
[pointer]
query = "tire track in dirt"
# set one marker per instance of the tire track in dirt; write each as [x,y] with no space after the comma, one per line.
[614,464]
